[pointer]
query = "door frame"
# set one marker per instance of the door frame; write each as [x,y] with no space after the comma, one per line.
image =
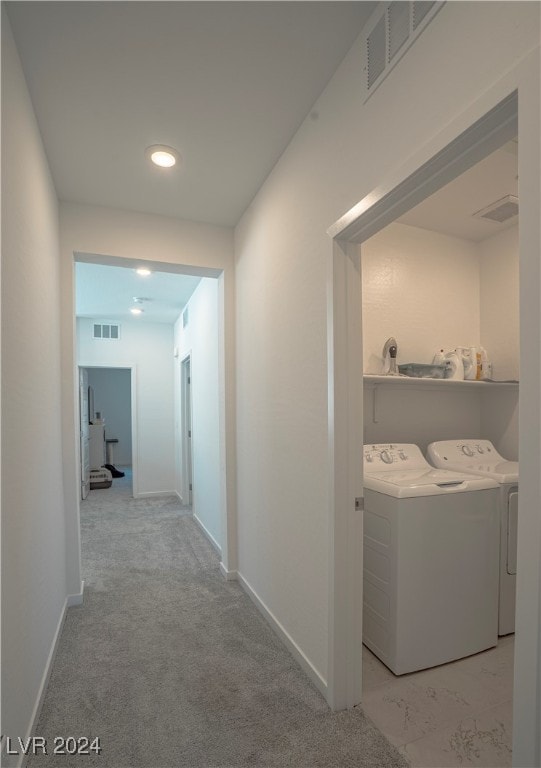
[186,420]
[481,129]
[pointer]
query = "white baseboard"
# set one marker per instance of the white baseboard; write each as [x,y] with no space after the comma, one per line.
[208,534]
[153,494]
[285,637]
[17,761]
[228,575]
[76,599]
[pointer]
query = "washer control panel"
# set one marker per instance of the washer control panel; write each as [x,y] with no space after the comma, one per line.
[381,456]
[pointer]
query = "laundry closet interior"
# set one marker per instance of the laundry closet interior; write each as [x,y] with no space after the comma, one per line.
[440,278]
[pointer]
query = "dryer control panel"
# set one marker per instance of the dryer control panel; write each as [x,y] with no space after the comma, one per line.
[462,450]
[381,456]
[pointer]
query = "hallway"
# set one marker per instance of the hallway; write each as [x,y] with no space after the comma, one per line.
[170,665]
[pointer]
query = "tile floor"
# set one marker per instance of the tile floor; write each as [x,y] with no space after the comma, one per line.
[458,714]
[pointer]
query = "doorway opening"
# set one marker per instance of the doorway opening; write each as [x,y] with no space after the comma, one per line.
[167,326]
[107,398]
[445,282]
[372,215]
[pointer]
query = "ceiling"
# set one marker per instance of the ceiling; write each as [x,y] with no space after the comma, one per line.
[225,83]
[107,293]
[450,210]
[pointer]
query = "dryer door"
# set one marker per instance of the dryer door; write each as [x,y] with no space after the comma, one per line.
[512,524]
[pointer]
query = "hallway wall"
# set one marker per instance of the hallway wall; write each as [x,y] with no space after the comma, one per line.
[343,151]
[200,339]
[148,347]
[33,514]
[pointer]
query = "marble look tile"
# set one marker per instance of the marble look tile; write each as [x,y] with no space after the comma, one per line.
[493,668]
[480,740]
[374,672]
[413,706]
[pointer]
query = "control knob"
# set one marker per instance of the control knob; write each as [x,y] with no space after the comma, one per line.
[386,457]
[467,450]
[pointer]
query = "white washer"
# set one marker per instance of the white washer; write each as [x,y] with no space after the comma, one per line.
[479,457]
[431,540]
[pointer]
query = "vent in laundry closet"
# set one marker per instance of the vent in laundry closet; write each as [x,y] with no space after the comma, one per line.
[389,33]
[499,211]
[185,317]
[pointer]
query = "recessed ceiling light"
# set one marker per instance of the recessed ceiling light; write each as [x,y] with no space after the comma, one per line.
[143,272]
[136,311]
[162,155]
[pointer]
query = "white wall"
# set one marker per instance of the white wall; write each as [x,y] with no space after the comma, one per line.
[339,155]
[33,522]
[148,347]
[441,292]
[421,287]
[112,398]
[200,340]
[500,333]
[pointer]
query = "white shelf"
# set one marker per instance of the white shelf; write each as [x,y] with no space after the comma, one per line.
[371,381]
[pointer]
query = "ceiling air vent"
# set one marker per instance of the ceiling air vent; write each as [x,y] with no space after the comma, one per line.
[389,33]
[499,211]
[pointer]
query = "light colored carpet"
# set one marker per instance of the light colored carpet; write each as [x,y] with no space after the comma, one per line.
[170,665]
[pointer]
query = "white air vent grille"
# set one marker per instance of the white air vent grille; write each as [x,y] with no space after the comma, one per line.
[106,331]
[420,10]
[499,211]
[185,318]
[398,26]
[375,44]
[391,30]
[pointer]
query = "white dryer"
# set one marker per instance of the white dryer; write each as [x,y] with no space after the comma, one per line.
[430,544]
[480,457]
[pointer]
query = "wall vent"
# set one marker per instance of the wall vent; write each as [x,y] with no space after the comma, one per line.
[391,30]
[499,211]
[106,331]
[185,317]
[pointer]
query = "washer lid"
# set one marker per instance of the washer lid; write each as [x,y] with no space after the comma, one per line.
[404,484]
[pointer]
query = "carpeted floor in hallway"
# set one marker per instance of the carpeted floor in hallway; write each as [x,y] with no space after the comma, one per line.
[170,665]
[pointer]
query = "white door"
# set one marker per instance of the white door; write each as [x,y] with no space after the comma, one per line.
[84,432]
[186,404]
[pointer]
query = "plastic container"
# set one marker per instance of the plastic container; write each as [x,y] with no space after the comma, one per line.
[423,371]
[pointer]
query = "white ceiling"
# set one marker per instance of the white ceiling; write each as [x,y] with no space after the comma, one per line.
[106,293]
[450,210]
[225,83]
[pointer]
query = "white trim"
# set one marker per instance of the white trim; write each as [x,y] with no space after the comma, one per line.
[76,599]
[228,575]
[208,534]
[154,494]
[406,187]
[345,398]
[285,637]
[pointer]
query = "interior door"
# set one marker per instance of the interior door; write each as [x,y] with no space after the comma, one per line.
[187,458]
[84,432]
